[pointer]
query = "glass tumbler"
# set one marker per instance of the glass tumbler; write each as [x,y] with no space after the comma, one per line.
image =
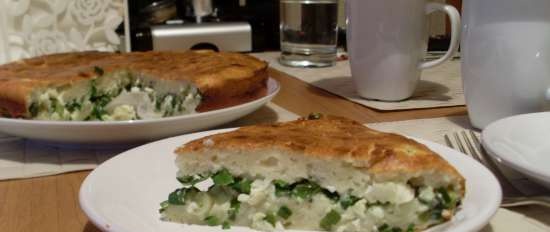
[309,30]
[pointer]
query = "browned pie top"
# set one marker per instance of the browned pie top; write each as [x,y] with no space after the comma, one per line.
[333,138]
[215,74]
[198,66]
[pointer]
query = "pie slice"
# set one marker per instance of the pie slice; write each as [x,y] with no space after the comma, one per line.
[320,173]
[140,85]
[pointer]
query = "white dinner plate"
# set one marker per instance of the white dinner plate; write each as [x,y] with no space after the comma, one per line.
[521,142]
[94,132]
[123,194]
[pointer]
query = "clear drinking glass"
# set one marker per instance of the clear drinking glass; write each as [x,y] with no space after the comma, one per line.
[308,32]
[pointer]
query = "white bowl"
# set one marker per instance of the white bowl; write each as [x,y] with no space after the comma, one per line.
[522,142]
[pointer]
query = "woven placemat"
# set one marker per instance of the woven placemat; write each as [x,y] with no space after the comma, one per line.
[439,87]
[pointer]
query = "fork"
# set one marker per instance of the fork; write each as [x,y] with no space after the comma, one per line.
[512,197]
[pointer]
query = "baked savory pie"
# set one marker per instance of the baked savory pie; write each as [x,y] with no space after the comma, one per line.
[140,85]
[320,173]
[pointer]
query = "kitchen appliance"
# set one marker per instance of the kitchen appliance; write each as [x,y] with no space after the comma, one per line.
[226,36]
[235,25]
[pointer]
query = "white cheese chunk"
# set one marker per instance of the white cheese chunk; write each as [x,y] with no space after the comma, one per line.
[123,112]
[397,193]
[144,107]
[259,191]
[426,194]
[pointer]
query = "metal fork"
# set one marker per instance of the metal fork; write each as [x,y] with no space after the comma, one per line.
[512,196]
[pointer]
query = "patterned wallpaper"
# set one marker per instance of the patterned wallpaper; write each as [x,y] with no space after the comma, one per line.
[36,27]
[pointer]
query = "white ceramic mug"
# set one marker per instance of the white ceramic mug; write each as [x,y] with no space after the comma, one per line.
[505,58]
[387,41]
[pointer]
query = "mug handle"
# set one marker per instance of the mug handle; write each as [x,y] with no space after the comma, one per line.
[455,33]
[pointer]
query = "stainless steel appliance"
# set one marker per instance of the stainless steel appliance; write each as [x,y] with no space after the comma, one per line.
[228,25]
[225,36]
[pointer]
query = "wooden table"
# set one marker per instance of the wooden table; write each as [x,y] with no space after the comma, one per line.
[51,203]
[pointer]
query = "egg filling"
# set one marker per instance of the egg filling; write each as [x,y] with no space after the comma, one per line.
[118,95]
[274,205]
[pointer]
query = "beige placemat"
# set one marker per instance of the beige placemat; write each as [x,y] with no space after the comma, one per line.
[531,218]
[21,158]
[439,87]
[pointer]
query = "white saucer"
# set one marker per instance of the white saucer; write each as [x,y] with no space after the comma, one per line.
[523,143]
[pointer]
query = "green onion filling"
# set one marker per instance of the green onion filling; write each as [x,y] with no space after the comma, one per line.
[332,218]
[212,221]
[165,105]
[232,186]
[270,217]
[284,212]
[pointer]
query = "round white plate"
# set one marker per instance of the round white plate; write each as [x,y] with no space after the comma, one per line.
[522,142]
[95,132]
[123,194]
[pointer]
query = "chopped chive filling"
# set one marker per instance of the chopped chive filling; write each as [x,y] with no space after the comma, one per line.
[234,209]
[234,191]
[99,101]
[448,200]
[348,200]
[121,89]
[163,206]
[178,196]
[72,106]
[282,188]
[305,190]
[444,200]
[242,185]
[284,212]
[57,107]
[33,109]
[223,178]
[332,218]
[192,180]
[410,228]
[212,221]
[269,217]
[226,225]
